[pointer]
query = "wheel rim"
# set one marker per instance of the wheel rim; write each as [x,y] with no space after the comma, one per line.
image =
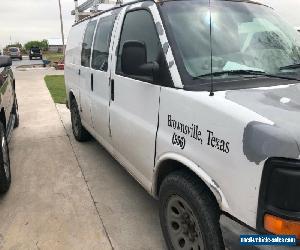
[6,164]
[75,120]
[183,228]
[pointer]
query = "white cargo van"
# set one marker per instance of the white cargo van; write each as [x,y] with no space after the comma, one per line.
[200,102]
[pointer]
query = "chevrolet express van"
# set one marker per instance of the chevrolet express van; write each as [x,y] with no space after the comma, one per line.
[200,101]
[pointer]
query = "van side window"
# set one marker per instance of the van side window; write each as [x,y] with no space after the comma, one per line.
[102,42]
[139,26]
[87,44]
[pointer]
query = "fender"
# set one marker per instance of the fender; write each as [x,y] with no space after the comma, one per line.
[212,185]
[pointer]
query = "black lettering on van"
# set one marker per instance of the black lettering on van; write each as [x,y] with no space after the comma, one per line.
[217,143]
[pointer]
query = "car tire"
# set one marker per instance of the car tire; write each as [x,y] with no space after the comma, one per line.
[80,133]
[189,214]
[5,174]
[30,58]
[21,58]
[15,112]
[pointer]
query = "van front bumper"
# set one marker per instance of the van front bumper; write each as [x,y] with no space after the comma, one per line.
[231,231]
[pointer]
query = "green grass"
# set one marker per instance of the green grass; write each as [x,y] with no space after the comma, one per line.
[56,86]
[53,57]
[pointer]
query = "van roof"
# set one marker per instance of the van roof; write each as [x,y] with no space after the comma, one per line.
[155,1]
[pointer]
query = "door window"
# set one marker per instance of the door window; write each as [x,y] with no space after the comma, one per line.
[102,42]
[139,26]
[87,44]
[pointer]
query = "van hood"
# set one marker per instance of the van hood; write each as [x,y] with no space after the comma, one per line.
[279,104]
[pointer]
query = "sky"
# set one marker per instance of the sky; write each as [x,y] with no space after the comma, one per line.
[24,20]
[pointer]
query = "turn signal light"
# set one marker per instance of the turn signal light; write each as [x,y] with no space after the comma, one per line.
[281,226]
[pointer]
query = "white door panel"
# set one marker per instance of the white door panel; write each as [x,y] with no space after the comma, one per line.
[100,105]
[101,62]
[85,84]
[85,95]
[134,118]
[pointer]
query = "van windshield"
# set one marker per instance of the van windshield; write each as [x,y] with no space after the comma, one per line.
[245,37]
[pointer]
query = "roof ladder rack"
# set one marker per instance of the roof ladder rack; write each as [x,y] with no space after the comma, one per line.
[93,5]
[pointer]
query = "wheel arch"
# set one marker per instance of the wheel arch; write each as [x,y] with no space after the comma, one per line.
[171,162]
[71,96]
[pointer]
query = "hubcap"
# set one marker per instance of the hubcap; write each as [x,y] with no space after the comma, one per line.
[5,158]
[182,225]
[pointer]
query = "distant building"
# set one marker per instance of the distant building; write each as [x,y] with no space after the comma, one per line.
[55,45]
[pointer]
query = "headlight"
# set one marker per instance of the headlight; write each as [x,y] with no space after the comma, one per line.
[279,198]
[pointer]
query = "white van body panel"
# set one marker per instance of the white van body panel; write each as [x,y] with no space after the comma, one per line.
[197,113]
[85,90]
[100,97]
[147,124]
[133,121]
[73,60]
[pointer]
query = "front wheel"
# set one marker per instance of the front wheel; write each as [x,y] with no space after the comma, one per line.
[80,133]
[5,174]
[189,215]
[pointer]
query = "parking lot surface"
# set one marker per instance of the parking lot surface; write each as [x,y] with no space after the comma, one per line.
[65,194]
[26,61]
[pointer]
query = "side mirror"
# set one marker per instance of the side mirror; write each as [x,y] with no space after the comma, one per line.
[5,61]
[134,60]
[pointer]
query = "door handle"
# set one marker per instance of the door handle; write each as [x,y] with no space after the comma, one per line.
[112,89]
[92,82]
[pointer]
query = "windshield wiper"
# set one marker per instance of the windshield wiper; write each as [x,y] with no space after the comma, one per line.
[231,72]
[292,66]
[244,72]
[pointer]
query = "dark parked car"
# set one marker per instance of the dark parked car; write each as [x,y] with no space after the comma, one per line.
[35,53]
[15,52]
[9,118]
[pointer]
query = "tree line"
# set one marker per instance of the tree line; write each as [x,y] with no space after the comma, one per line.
[43,44]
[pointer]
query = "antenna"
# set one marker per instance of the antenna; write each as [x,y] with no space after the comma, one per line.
[211,54]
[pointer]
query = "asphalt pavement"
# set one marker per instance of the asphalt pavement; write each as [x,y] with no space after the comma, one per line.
[26,61]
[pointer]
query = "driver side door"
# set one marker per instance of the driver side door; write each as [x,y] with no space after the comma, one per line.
[134,103]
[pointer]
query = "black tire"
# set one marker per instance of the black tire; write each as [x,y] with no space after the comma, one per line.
[80,133]
[5,174]
[189,214]
[15,111]
[21,58]
[30,58]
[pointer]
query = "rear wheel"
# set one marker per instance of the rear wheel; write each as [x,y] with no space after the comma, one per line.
[5,174]
[189,215]
[80,133]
